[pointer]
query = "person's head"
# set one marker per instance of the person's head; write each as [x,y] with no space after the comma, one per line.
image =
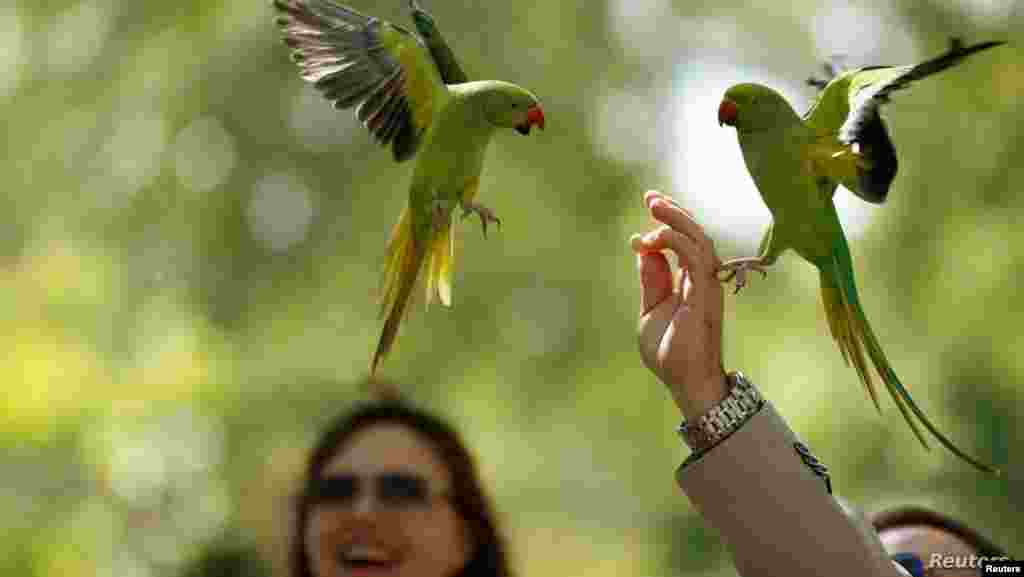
[392,490]
[929,543]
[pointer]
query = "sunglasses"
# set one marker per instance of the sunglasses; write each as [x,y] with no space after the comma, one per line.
[912,563]
[395,490]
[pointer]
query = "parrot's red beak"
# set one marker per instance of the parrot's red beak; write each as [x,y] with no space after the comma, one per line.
[534,116]
[727,112]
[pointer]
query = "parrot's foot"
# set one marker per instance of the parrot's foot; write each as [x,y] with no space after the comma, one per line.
[738,268]
[486,215]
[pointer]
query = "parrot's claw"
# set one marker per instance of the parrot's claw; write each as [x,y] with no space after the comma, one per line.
[738,268]
[486,215]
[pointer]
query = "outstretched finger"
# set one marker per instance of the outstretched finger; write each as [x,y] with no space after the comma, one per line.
[655,276]
[681,220]
[689,253]
[689,257]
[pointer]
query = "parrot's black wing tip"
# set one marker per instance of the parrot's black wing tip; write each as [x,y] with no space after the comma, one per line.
[818,83]
[956,43]
[957,46]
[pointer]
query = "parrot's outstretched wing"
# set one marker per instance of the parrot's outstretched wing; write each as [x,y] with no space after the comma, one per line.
[449,67]
[871,87]
[357,61]
[848,107]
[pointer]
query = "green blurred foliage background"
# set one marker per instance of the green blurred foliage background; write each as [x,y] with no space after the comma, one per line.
[190,243]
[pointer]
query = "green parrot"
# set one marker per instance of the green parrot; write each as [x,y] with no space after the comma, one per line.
[412,95]
[797,163]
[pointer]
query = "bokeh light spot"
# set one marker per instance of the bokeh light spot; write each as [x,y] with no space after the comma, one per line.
[280,211]
[12,49]
[317,126]
[204,154]
[129,160]
[615,123]
[76,37]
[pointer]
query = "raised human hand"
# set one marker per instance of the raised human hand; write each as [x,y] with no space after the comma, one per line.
[680,328]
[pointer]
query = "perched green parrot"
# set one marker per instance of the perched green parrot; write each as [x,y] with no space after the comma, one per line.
[797,163]
[412,94]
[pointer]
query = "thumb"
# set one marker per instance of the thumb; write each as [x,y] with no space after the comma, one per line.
[656,283]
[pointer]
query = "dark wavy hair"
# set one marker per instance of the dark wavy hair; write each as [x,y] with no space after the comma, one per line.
[919,516]
[470,501]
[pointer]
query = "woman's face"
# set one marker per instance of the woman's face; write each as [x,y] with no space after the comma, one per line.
[384,510]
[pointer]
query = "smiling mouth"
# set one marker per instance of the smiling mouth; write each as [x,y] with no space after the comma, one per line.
[359,562]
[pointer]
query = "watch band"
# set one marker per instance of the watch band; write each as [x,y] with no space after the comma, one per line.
[706,431]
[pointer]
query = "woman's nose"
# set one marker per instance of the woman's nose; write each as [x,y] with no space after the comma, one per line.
[365,503]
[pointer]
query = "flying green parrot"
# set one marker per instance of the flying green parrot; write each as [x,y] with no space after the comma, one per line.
[412,95]
[797,163]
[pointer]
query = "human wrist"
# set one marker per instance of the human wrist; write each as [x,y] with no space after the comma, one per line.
[695,400]
[721,420]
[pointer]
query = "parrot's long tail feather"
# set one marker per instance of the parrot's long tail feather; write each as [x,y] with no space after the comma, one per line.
[441,254]
[853,335]
[401,267]
[404,259]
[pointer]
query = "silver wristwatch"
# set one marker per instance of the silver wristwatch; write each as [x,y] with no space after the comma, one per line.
[720,421]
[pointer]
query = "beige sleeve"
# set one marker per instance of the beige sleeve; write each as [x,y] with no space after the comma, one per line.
[773,512]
